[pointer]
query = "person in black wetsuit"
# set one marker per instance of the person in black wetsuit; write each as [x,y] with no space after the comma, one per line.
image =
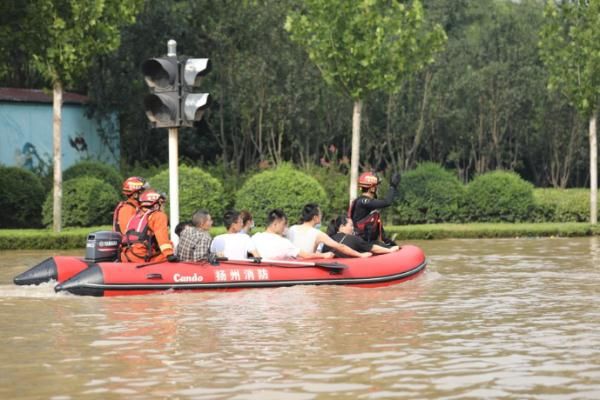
[341,229]
[365,209]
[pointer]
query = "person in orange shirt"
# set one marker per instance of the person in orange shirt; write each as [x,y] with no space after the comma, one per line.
[146,238]
[125,210]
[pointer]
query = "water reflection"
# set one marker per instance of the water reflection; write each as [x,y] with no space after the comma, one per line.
[489,319]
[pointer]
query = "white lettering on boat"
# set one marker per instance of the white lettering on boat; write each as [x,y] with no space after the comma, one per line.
[187,278]
[260,274]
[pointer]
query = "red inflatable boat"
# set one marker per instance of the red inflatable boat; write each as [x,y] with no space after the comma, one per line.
[92,277]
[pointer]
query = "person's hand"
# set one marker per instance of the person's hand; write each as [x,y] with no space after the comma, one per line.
[329,254]
[365,254]
[172,258]
[395,181]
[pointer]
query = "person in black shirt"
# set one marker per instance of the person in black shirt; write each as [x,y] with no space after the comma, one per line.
[341,230]
[365,209]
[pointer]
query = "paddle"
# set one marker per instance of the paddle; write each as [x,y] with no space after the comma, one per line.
[331,266]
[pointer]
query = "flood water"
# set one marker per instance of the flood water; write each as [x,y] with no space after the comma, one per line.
[495,319]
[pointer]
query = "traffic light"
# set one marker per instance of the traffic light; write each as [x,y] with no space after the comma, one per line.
[193,104]
[162,105]
[173,101]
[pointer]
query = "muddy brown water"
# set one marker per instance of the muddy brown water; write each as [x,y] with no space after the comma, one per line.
[495,319]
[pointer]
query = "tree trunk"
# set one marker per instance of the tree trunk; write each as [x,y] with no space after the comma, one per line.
[593,170]
[56,125]
[355,159]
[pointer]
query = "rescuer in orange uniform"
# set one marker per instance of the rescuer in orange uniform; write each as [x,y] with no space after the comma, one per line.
[125,210]
[146,238]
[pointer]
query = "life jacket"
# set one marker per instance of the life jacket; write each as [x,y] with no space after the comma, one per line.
[370,227]
[139,232]
[116,225]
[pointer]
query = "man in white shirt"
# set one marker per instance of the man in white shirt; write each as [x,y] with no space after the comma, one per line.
[307,236]
[271,244]
[233,244]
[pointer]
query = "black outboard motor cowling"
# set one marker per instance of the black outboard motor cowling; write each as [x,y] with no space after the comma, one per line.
[103,246]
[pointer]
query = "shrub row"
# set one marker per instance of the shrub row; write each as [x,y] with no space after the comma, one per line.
[428,194]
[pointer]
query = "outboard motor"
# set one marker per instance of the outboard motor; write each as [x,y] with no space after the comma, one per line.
[103,246]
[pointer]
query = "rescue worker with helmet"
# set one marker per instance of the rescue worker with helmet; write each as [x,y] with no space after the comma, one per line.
[365,209]
[125,210]
[146,238]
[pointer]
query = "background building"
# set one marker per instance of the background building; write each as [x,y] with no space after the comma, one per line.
[26,131]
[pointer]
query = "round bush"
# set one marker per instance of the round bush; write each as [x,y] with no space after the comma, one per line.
[95,169]
[21,198]
[499,196]
[86,201]
[283,187]
[429,194]
[197,190]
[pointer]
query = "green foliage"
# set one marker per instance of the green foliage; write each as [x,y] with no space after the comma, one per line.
[365,46]
[562,205]
[429,194]
[21,198]
[66,34]
[197,190]
[570,48]
[283,187]
[86,201]
[499,196]
[95,169]
[336,185]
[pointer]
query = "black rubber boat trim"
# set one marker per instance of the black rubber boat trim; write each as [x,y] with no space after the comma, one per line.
[252,284]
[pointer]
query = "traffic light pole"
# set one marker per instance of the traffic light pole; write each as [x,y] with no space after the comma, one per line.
[174,181]
[173,164]
[173,102]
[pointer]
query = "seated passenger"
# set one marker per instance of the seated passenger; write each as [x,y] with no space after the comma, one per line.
[181,226]
[194,240]
[247,222]
[341,230]
[234,245]
[146,236]
[271,244]
[308,237]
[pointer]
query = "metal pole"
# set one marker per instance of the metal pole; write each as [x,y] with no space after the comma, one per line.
[173,182]
[173,164]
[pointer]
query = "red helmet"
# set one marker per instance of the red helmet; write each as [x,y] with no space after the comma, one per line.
[368,180]
[149,198]
[133,185]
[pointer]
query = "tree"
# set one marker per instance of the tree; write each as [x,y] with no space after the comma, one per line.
[65,35]
[364,46]
[570,48]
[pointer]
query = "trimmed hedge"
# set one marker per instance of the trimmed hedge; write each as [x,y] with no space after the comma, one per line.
[197,190]
[562,205]
[283,187]
[75,238]
[95,169]
[429,194]
[86,201]
[21,198]
[491,230]
[499,196]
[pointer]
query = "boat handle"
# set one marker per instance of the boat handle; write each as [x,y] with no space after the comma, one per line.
[154,276]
